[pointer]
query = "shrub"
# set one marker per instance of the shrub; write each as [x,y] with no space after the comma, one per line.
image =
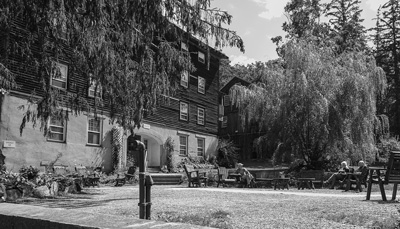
[227,153]
[169,147]
[28,173]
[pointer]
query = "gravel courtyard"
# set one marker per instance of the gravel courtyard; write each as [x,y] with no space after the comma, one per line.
[239,208]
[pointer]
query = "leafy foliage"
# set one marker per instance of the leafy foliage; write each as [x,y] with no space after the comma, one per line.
[227,155]
[321,102]
[29,173]
[347,30]
[128,49]
[169,148]
[387,47]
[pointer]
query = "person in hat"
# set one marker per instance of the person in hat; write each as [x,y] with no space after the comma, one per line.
[246,176]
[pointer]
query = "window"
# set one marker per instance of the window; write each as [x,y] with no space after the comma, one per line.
[94,131]
[92,89]
[226,100]
[200,146]
[59,76]
[184,46]
[57,130]
[201,57]
[185,79]
[184,111]
[183,145]
[200,116]
[201,87]
[224,122]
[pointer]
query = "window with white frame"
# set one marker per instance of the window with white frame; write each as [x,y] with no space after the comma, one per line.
[93,91]
[201,57]
[184,111]
[183,144]
[57,130]
[200,146]
[184,46]
[185,79]
[94,129]
[200,115]
[201,85]
[59,75]
[226,100]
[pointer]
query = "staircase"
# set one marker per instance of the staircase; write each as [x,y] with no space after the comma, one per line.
[160,178]
[166,178]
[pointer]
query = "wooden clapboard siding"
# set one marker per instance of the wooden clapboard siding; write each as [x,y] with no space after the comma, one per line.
[168,114]
[26,74]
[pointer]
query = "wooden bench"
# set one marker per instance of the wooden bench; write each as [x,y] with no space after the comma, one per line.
[310,178]
[223,174]
[266,178]
[195,177]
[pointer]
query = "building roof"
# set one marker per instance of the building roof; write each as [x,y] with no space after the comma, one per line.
[233,81]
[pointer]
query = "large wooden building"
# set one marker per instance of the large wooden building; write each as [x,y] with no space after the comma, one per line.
[233,128]
[190,118]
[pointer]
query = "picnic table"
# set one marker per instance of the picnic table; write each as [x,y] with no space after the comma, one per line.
[305,183]
[377,170]
[281,183]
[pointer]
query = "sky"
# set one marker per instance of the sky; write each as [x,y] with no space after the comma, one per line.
[257,21]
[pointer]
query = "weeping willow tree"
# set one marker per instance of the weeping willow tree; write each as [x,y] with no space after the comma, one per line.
[318,105]
[128,49]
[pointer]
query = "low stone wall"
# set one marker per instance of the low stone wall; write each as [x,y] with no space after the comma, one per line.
[31,217]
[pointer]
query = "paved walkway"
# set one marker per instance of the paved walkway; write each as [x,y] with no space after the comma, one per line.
[285,192]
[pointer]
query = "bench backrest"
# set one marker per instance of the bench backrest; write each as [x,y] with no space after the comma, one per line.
[317,174]
[393,168]
[60,170]
[81,170]
[223,172]
[189,169]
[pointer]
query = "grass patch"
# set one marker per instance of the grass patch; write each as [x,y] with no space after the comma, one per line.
[217,219]
[365,220]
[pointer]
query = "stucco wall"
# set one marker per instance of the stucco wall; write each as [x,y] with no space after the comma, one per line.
[32,147]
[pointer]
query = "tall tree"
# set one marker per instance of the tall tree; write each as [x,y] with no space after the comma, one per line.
[303,20]
[323,102]
[345,22]
[387,43]
[126,48]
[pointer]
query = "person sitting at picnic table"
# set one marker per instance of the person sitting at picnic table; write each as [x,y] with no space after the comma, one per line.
[363,169]
[246,176]
[340,175]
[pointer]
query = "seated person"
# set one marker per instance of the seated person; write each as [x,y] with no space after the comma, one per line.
[246,176]
[363,169]
[340,175]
